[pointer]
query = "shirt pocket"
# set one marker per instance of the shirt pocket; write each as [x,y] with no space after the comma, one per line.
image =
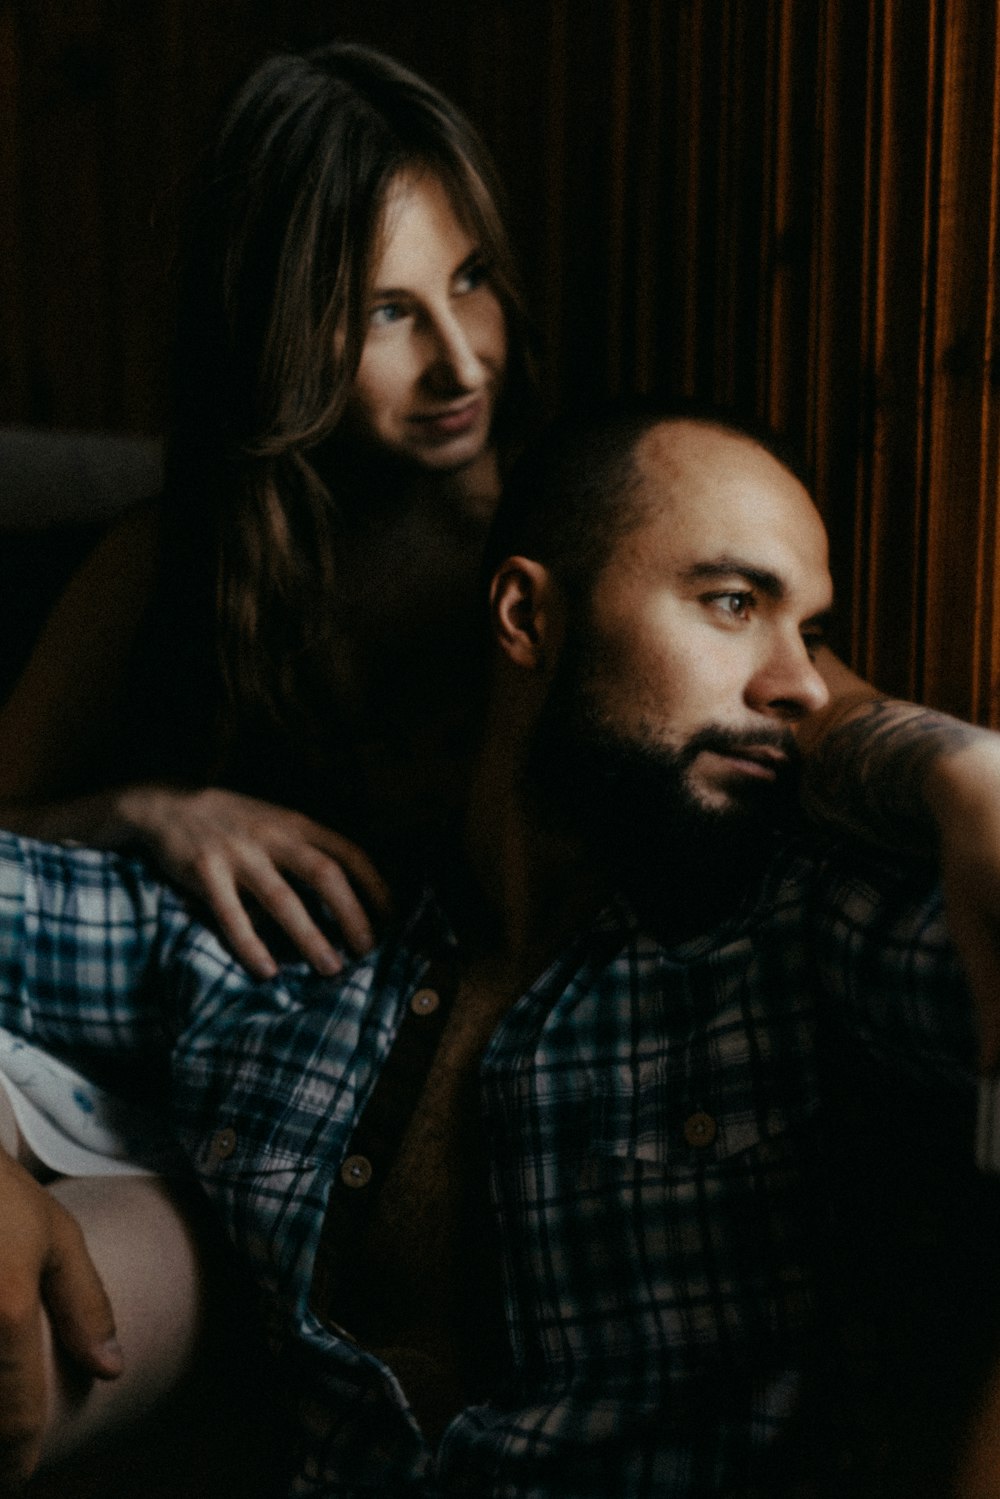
[684,1138]
[270,1199]
[697,1191]
[707,1099]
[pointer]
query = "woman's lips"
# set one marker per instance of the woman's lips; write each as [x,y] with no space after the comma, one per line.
[451,421]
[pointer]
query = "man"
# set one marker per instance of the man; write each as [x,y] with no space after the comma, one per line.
[530,1193]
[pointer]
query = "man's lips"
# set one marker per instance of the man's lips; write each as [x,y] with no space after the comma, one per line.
[759,761]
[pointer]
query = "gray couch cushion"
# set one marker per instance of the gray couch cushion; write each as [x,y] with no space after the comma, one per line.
[65,478]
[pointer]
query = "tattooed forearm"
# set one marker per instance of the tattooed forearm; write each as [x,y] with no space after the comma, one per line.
[866,771]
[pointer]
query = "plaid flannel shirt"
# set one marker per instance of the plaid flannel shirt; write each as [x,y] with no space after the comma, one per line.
[649,1114]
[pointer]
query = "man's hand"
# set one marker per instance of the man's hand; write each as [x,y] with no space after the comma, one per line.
[43,1264]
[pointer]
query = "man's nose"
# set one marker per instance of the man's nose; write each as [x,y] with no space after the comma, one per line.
[787,684]
[453,366]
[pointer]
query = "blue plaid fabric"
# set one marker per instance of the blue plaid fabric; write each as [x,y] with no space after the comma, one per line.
[650,1116]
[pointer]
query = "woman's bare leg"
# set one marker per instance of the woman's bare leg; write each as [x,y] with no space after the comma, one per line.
[145,1250]
[191,1414]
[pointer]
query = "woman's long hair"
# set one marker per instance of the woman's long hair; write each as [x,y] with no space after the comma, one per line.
[272,317]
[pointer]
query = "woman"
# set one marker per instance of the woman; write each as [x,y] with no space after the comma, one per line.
[290,624]
[350,371]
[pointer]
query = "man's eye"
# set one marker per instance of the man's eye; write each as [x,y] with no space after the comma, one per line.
[735,605]
[814,642]
[386,313]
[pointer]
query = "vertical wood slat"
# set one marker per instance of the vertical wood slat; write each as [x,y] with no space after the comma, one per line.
[819,354]
[776,299]
[771,188]
[617,195]
[861,591]
[987,676]
[688,78]
[958,521]
[899,239]
[834,399]
[648,250]
[553,299]
[730,267]
[930,252]
[724,210]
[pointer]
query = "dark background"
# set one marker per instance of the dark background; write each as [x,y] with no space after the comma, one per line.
[791,203]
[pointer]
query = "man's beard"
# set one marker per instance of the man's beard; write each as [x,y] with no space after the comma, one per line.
[629,799]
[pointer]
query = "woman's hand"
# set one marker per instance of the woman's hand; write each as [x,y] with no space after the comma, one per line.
[225,848]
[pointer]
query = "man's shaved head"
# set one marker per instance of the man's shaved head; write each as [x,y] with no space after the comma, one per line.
[575,494]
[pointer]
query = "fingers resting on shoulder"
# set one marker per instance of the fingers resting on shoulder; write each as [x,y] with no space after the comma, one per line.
[236,853]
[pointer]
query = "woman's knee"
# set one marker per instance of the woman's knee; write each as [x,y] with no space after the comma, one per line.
[147,1247]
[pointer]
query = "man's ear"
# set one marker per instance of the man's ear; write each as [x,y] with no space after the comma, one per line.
[524,612]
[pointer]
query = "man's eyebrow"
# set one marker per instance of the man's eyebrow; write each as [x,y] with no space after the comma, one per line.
[765,581]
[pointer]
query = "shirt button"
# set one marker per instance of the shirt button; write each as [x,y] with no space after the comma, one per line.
[700,1129]
[425,1002]
[356,1171]
[223,1143]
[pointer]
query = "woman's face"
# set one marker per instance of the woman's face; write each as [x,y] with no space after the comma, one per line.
[433,359]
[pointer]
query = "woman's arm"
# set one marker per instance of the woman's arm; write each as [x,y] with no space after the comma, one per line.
[60,724]
[66,709]
[224,848]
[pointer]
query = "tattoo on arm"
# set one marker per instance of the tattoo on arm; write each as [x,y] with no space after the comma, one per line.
[866,773]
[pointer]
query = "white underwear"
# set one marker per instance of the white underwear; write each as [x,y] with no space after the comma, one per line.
[76,1128]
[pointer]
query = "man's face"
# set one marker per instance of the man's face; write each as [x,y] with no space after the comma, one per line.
[676,693]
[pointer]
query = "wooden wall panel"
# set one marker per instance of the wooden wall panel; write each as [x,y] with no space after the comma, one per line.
[962,410]
[890,516]
[791,205]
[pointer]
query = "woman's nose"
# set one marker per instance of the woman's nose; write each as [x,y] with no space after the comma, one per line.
[453,363]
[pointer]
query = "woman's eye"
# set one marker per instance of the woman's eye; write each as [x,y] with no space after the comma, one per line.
[386,313]
[472,276]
